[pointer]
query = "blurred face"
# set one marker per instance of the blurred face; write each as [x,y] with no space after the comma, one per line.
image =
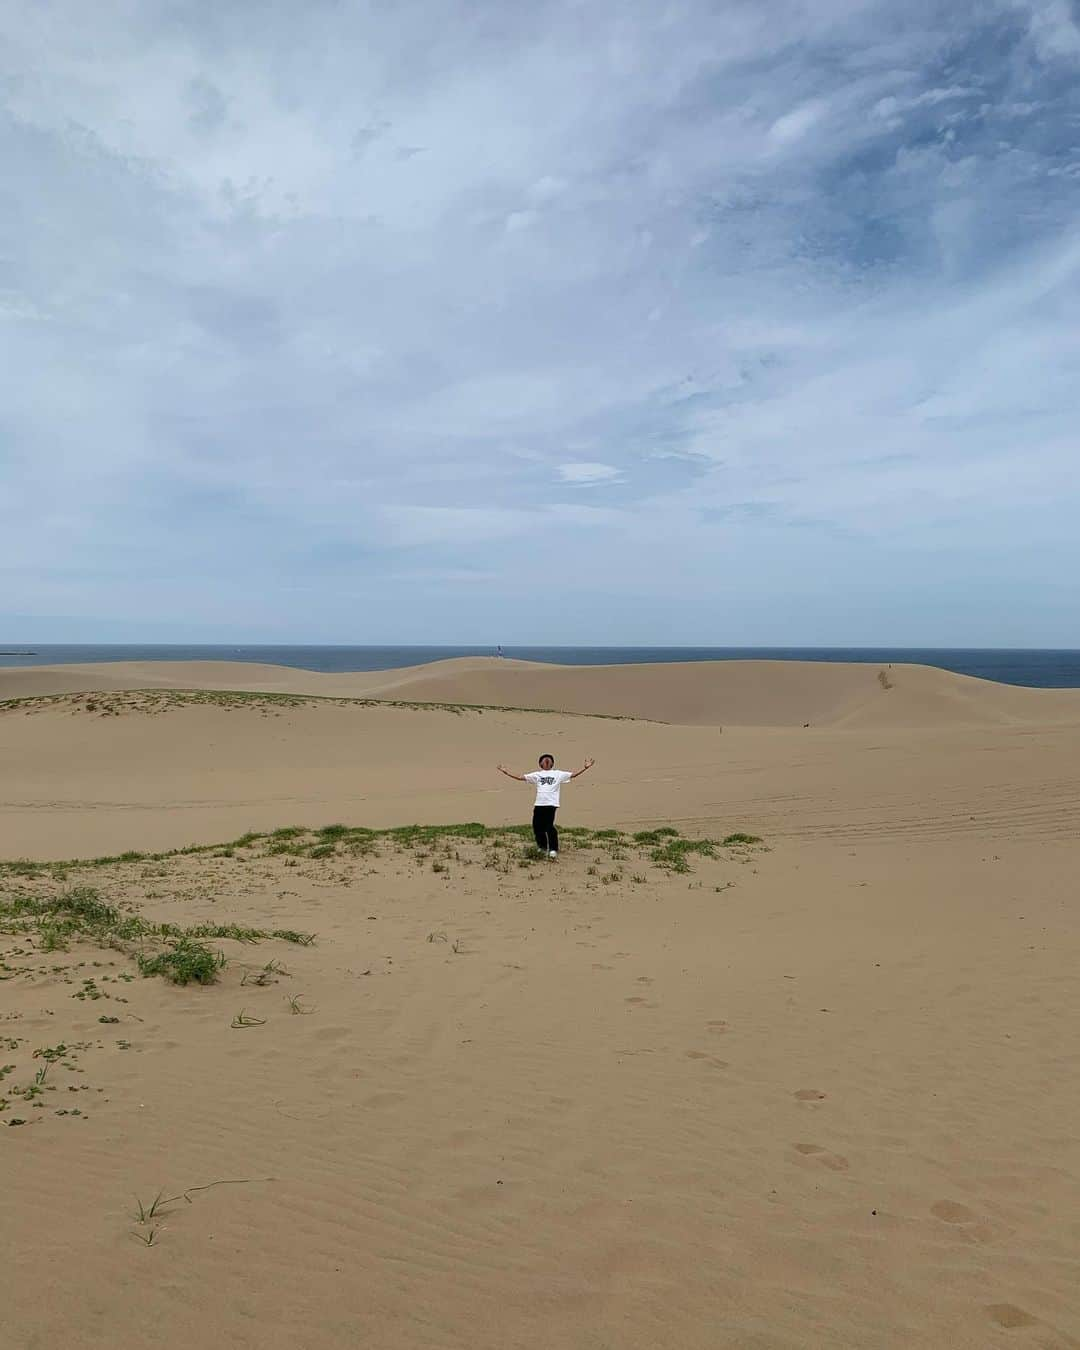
[546,762]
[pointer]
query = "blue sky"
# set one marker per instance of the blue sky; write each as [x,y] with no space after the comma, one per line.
[563,322]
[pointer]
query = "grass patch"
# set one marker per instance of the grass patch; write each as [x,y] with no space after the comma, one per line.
[152,701]
[77,913]
[674,853]
[80,914]
[655,836]
[185,962]
[334,840]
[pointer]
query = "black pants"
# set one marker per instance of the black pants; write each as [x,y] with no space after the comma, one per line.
[547,836]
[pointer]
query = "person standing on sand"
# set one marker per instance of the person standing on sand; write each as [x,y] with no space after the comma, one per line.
[548,781]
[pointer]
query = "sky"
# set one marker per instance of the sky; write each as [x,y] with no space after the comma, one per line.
[572,322]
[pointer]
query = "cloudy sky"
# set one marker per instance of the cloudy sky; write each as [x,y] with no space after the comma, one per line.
[728,322]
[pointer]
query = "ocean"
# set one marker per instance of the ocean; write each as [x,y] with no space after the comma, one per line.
[1038,669]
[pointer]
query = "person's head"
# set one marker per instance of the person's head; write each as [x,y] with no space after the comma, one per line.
[547,761]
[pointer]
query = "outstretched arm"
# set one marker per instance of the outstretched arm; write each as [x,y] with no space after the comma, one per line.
[503,769]
[587,765]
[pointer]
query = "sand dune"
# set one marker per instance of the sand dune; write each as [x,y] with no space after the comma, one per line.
[728,693]
[81,782]
[816,1094]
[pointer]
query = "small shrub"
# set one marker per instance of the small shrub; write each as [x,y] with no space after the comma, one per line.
[86,907]
[186,962]
[655,836]
[51,937]
[674,855]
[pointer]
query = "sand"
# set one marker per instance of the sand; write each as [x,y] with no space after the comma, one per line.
[693,693]
[817,1092]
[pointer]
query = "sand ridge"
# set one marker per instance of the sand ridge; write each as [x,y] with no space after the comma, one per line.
[85,782]
[729,693]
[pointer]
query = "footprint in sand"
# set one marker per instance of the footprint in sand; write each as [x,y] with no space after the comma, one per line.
[378,1099]
[951,1211]
[710,1060]
[808,1095]
[1009,1315]
[835,1161]
[967,1226]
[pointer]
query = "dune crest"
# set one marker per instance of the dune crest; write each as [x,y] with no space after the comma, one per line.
[693,693]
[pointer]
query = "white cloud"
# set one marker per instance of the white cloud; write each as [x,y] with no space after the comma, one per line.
[782,276]
[1055,31]
[794,125]
[587,473]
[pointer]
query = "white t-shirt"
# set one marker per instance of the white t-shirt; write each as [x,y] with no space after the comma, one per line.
[548,782]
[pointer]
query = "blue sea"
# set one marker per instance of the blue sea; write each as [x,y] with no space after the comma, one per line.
[1039,669]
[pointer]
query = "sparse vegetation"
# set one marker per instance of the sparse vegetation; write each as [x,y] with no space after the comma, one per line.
[185,962]
[146,1213]
[110,703]
[674,853]
[351,840]
[655,836]
[52,907]
[96,906]
[81,914]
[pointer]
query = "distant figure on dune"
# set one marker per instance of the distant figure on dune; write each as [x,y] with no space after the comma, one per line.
[548,781]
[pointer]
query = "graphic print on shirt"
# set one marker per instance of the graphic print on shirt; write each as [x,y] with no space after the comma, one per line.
[548,782]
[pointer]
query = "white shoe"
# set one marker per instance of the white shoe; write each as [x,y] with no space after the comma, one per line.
[553,856]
